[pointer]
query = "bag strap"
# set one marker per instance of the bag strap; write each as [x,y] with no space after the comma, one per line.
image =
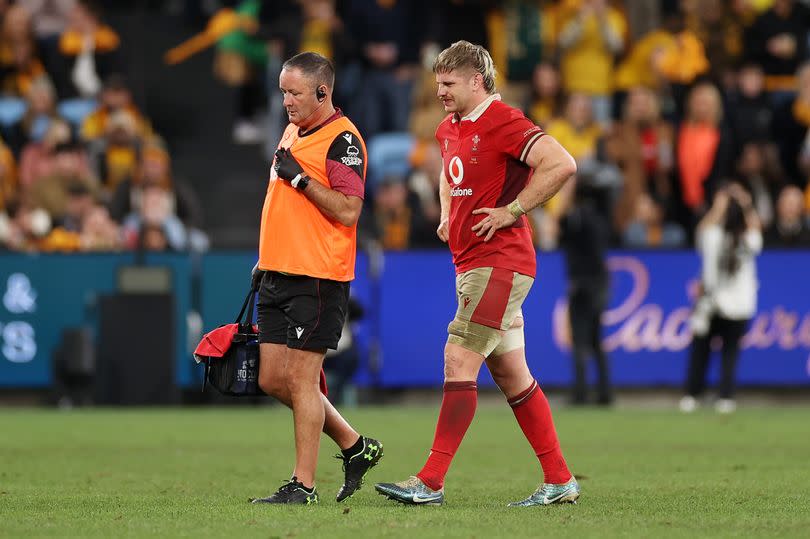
[251,306]
[251,301]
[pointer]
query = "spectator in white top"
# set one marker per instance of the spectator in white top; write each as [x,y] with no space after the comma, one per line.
[729,238]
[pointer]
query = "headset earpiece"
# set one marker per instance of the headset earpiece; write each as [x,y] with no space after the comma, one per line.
[320,93]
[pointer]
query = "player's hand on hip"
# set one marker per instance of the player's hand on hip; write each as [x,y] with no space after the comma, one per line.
[444,230]
[496,219]
[286,166]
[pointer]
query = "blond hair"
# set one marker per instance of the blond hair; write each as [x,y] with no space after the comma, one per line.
[463,54]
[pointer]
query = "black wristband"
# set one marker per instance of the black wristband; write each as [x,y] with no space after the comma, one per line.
[300,182]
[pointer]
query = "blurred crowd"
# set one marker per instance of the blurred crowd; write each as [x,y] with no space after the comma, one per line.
[81,168]
[660,101]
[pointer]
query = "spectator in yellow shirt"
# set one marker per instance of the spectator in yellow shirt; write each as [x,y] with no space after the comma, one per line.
[115,96]
[19,61]
[590,37]
[577,131]
[89,52]
[671,54]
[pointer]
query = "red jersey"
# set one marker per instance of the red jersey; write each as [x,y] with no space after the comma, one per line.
[483,158]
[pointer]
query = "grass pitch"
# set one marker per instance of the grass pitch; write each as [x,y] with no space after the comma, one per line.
[189,473]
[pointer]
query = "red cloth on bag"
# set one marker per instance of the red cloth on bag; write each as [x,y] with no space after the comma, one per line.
[217,342]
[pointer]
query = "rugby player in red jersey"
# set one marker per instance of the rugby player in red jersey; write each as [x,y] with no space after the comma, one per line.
[497,165]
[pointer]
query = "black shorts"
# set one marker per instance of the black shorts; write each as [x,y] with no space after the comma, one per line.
[302,312]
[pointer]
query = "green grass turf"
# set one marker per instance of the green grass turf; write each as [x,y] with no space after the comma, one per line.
[189,473]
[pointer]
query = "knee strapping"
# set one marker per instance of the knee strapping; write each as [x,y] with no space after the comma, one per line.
[473,336]
[513,339]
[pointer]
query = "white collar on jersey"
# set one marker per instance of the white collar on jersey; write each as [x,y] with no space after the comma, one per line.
[478,111]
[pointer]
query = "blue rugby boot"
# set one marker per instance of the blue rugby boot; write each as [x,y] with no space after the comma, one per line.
[411,491]
[548,493]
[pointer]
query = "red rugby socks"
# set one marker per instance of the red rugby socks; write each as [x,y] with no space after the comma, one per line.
[455,416]
[533,414]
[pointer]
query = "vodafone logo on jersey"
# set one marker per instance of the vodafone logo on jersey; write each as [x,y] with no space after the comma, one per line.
[456,171]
